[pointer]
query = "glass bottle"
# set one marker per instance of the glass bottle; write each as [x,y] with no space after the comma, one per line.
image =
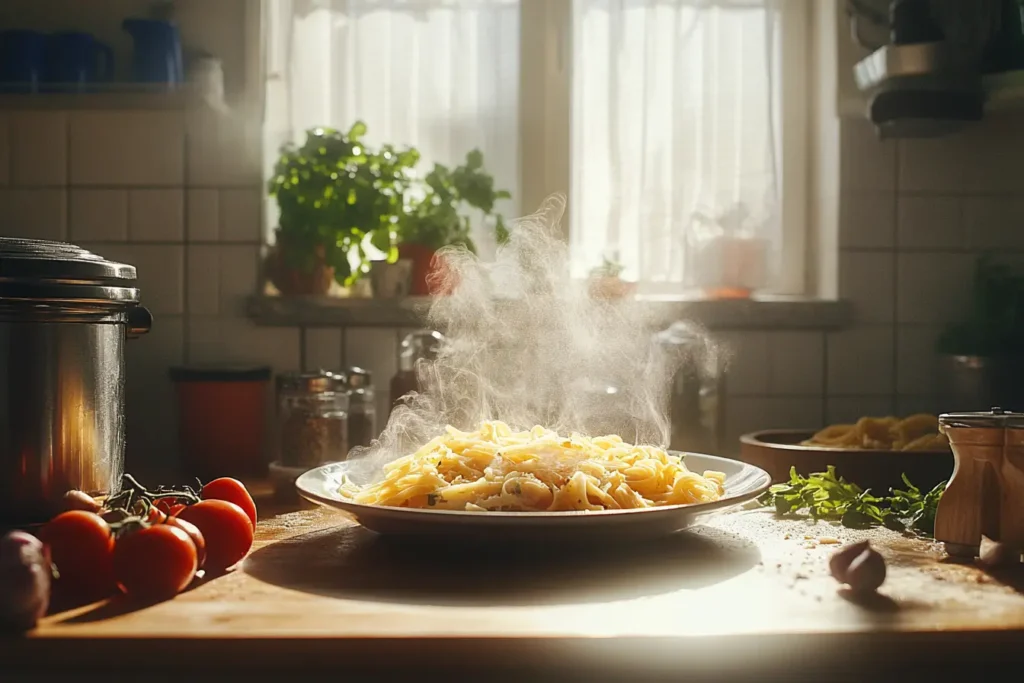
[419,345]
[362,417]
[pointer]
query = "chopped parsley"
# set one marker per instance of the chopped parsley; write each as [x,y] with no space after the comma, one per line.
[823,495]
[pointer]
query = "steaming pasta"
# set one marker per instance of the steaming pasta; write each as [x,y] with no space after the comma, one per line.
[495,468]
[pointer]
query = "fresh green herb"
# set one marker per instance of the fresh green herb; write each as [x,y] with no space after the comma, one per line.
[823,495]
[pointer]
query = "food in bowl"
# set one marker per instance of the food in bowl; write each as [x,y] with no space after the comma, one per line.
[918,432]
[496,469]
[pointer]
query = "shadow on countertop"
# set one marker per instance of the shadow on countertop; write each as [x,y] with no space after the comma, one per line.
[354,563]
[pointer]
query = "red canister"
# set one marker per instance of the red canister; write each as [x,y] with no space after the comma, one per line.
[221,420]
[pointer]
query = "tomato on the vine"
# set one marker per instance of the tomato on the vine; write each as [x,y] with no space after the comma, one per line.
[226,529]
[82,548]
[233,491]
[155,562]
[193,533]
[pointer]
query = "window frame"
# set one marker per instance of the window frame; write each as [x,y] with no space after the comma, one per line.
[545,110]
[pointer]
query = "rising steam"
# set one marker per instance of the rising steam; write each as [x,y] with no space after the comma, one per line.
[528,346]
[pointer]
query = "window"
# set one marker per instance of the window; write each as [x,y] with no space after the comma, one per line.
[650,114]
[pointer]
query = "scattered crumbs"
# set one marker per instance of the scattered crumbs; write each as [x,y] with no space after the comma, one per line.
[828,540]
[778,565]
[786,537]
[808,538]
[800,576]
[810,544]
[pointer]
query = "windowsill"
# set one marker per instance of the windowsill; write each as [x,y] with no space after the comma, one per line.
[767,312]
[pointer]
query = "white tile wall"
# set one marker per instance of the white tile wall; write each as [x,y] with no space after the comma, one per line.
[994,222]
[38,213]
[324,349]
[224,150]
[5,150]
[748,362]
[938,165]
[39,148]
[221,277]
[150,410]
[240,215]
[160,271]
[868,280]
[127,148]
[930,222]
[233,340]
[796,363]
[98,215]
[849,409]
[747,414]
[203,215]
[916,360]
[860,361]
[932,287]
[156,215]
[866,163]
[867,219]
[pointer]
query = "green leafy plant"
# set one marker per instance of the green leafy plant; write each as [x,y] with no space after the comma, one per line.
[610,267]
[334,191]
[823,495]
[438,218]
[994,325]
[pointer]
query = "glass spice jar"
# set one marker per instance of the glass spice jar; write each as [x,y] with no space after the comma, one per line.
[419,345]
[362,417]
[312,413]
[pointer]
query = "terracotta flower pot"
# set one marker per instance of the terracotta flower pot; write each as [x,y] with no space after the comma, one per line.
[292,281]
[430,276]
[610,288]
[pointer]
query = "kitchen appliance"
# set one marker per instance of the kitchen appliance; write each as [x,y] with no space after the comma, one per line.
[221,413]
[157,57]
[985,496]
[696,398]
[64,316]
[927,80]
[74,60]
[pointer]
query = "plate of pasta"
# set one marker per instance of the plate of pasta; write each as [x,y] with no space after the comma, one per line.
[496,480]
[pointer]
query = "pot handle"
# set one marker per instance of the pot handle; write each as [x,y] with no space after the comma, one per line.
[140,320]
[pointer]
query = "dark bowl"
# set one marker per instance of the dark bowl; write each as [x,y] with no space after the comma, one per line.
[776,450]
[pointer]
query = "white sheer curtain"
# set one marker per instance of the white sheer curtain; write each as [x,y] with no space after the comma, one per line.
[673,114]
[440,75]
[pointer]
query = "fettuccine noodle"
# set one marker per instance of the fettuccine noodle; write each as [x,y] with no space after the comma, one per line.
[496,469]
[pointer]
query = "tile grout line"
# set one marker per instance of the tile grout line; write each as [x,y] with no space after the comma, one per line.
[186,325]
[896,281]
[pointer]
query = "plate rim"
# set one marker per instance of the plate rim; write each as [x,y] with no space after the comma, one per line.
[301,485]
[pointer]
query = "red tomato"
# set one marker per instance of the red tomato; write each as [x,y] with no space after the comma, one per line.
[175,509]
[155,515]
[165,505]
[154,563]
[193,533]
[82,548]
[232,491]
[226,529]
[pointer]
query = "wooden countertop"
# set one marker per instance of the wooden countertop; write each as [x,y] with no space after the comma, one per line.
[744,594]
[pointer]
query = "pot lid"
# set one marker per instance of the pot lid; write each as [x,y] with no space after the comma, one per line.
[997,418]
[358,378]
[41,270]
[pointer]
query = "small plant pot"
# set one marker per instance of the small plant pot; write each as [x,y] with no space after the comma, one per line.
[391,280]
[291,281]
[610,288]
[430,276]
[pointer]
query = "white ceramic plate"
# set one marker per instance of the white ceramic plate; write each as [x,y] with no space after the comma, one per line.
[743,482]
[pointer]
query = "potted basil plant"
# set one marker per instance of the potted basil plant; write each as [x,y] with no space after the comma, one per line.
[438,215]
[335,193]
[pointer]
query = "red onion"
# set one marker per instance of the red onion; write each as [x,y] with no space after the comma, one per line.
[25,574]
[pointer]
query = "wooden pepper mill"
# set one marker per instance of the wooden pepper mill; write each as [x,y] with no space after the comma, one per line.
[985,495]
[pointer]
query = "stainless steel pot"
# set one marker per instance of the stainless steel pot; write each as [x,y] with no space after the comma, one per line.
[64,316]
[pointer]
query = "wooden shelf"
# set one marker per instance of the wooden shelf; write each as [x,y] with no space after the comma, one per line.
[111,96]
[762,313]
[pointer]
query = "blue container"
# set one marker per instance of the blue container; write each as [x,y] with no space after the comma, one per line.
[22,60]
[74,60]
[157,57]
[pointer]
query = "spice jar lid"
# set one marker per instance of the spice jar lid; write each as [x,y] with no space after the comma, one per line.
[61,273]
[358,378]
[997,418]
[421,344]
[318,382]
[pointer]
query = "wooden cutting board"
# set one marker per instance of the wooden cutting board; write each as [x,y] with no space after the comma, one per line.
[745,594]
